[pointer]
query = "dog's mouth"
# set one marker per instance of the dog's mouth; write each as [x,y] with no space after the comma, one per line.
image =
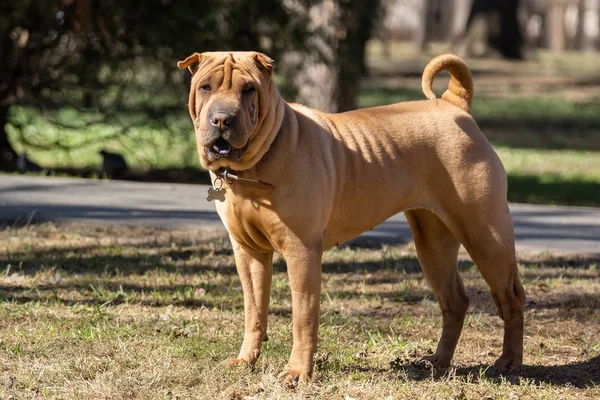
[219,148]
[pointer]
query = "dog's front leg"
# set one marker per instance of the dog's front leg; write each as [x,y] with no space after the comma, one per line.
[304,270]
[255,270]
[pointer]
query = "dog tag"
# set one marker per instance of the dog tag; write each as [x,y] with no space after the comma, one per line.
[216,194]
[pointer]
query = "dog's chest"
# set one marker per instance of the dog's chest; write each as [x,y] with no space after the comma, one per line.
[249,220]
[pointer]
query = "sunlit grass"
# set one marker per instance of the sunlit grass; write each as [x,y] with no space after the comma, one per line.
[96,312]
[566,164]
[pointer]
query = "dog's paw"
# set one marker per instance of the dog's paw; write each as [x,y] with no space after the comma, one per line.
[508,364]
[237,362]
[295,377]
[433,361]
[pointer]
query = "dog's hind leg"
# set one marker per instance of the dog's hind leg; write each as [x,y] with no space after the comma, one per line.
[487,234]
[437,250]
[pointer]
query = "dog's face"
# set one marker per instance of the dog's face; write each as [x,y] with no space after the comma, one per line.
[228,101]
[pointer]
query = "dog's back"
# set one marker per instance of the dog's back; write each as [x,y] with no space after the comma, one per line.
[408,155]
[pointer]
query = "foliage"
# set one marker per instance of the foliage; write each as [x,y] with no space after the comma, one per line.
[115,61]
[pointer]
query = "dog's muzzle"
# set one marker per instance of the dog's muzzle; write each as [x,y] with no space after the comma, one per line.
[221,148]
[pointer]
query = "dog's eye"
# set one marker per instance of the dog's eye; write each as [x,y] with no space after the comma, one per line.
[249,89]
[206,88]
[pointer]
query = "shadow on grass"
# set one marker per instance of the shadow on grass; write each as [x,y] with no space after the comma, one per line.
[581,374]
[549,189]
[111,278]
[189,262]
[27,295]
[76,261]
[114,268]
[215,255]
[558,133]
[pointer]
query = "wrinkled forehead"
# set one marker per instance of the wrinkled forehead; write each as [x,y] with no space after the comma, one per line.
[229,64]
[234,56]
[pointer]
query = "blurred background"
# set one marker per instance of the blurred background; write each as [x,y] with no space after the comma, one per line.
[91,88]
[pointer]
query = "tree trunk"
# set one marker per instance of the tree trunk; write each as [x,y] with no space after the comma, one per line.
[555,26]
[358,17]
[579,32]
[589,16]
[331,83]
[459,15]
[316,78]
[436,23]
[8,156]
[498,26]
[509,39]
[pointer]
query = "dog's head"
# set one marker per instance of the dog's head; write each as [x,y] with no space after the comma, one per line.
[229,99]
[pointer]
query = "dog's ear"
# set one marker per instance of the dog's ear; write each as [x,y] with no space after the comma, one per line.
[264,61]
[192,62]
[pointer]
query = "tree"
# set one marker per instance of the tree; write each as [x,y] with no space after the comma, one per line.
[32,54]
[114,61]
[474,26]
[330,78]
[357,19]
[497,25]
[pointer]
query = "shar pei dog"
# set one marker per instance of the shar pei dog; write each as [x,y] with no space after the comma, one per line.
[297,181]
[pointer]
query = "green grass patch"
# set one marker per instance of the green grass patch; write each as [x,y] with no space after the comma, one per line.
[521,122]
[552,176]
[552,189]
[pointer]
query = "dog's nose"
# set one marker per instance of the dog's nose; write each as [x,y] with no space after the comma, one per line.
[221,120]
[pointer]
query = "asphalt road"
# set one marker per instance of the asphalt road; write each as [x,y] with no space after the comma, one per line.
[179,206]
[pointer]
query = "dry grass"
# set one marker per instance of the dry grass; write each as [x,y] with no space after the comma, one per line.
[97,313]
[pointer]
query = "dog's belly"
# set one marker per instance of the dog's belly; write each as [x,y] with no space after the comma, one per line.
[368,203]
[386,165]
[371,190]
[334,235]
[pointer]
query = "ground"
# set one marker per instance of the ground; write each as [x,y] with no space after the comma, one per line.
[99,312]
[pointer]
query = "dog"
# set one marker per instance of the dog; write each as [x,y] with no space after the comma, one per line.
[298,181]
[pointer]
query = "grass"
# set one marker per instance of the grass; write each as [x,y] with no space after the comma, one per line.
[532,122]
[96,312]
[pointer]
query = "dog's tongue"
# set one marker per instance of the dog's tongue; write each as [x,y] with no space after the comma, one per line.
[221,146]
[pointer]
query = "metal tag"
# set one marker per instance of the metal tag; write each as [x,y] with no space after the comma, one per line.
[216,192]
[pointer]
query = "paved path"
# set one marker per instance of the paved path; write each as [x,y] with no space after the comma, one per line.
[180,206]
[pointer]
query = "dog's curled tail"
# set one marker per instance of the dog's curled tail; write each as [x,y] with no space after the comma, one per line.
[460,88]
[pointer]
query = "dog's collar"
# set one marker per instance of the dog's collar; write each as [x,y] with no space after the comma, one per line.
[232,177]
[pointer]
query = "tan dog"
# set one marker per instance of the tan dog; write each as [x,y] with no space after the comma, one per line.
[338,175]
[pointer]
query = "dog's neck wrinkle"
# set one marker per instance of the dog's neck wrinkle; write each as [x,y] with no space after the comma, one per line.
[272,126]
[283,130]
[261,142]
